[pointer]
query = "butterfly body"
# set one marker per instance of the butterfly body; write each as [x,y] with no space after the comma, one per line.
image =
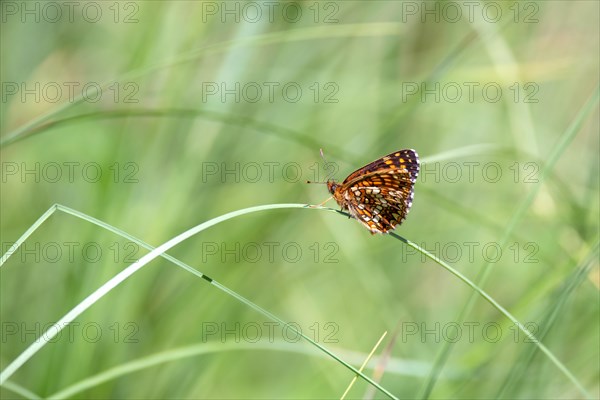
[380,194]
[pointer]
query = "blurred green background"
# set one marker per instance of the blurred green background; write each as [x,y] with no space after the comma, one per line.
[155,116]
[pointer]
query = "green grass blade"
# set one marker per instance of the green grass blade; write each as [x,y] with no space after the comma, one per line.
[182,353]
[20,390]
[502,310]
[227,118]
[27,233]
[311,33]
[559,148]
[578,277]
[136,266]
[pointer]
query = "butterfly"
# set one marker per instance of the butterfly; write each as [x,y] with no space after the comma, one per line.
[380,194]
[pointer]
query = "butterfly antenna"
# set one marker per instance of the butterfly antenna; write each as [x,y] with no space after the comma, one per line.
[322,155]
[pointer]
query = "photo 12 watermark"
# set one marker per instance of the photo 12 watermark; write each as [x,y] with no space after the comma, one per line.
[518,172]
[252,332]
[471,252]
[54,12]
[453,12]
[469,92]
[69,172]
[469,332]
[266,171]
[291,12]
[70,92]
[270,92]
[270,252]
[89,332]
[72,252]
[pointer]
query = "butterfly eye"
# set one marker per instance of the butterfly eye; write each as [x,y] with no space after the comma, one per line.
[331,186]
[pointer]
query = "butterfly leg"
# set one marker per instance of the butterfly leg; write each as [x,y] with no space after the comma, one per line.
[321,204]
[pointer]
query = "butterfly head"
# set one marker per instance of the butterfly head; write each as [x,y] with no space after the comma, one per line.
[332,185]
[336,190]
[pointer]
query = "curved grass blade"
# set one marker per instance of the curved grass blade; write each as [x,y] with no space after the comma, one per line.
[228,118]
[302,34]
[136,266]
[555,154]
[578,277]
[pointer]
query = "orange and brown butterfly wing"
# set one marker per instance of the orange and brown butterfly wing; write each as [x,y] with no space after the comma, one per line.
[406,159]
[380,194]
